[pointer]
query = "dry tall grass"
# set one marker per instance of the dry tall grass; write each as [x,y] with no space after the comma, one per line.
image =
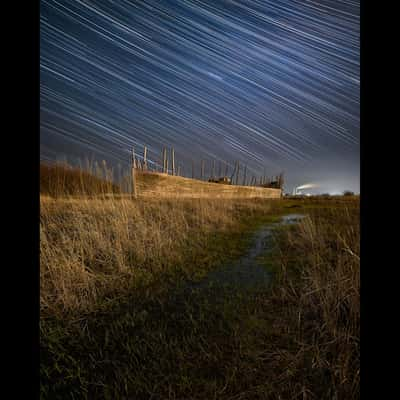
[90,248]
[319,297]
[97,246]
[60,180]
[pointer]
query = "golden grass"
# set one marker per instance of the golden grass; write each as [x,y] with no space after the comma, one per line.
[60,180]
[318,295]
[88,247]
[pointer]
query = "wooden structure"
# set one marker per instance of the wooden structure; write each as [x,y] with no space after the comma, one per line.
[261,182]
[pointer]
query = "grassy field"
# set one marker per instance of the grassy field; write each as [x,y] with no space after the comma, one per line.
[118,323]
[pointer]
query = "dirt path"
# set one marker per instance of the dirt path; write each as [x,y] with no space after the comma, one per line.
[245,275]
[247,272]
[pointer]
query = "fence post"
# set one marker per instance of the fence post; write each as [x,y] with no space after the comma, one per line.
[244,175]
[173,161]
[237,173]
[233,173]
[145,158]
[133,169]
[280,180]
[164,157]
[202,169]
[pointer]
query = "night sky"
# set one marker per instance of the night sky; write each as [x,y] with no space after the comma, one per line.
[273,84]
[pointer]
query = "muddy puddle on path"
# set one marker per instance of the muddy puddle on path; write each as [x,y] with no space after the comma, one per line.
[247,273]
[226,284]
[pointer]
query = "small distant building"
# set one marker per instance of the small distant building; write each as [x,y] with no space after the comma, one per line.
[224,180]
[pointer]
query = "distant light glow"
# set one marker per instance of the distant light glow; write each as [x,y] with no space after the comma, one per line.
[307,186]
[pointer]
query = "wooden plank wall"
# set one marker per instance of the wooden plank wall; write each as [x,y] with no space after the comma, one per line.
[155,184]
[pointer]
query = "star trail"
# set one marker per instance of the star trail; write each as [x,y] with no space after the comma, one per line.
[272,84]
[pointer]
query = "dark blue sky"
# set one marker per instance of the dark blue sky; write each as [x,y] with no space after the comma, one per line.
[273,84]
